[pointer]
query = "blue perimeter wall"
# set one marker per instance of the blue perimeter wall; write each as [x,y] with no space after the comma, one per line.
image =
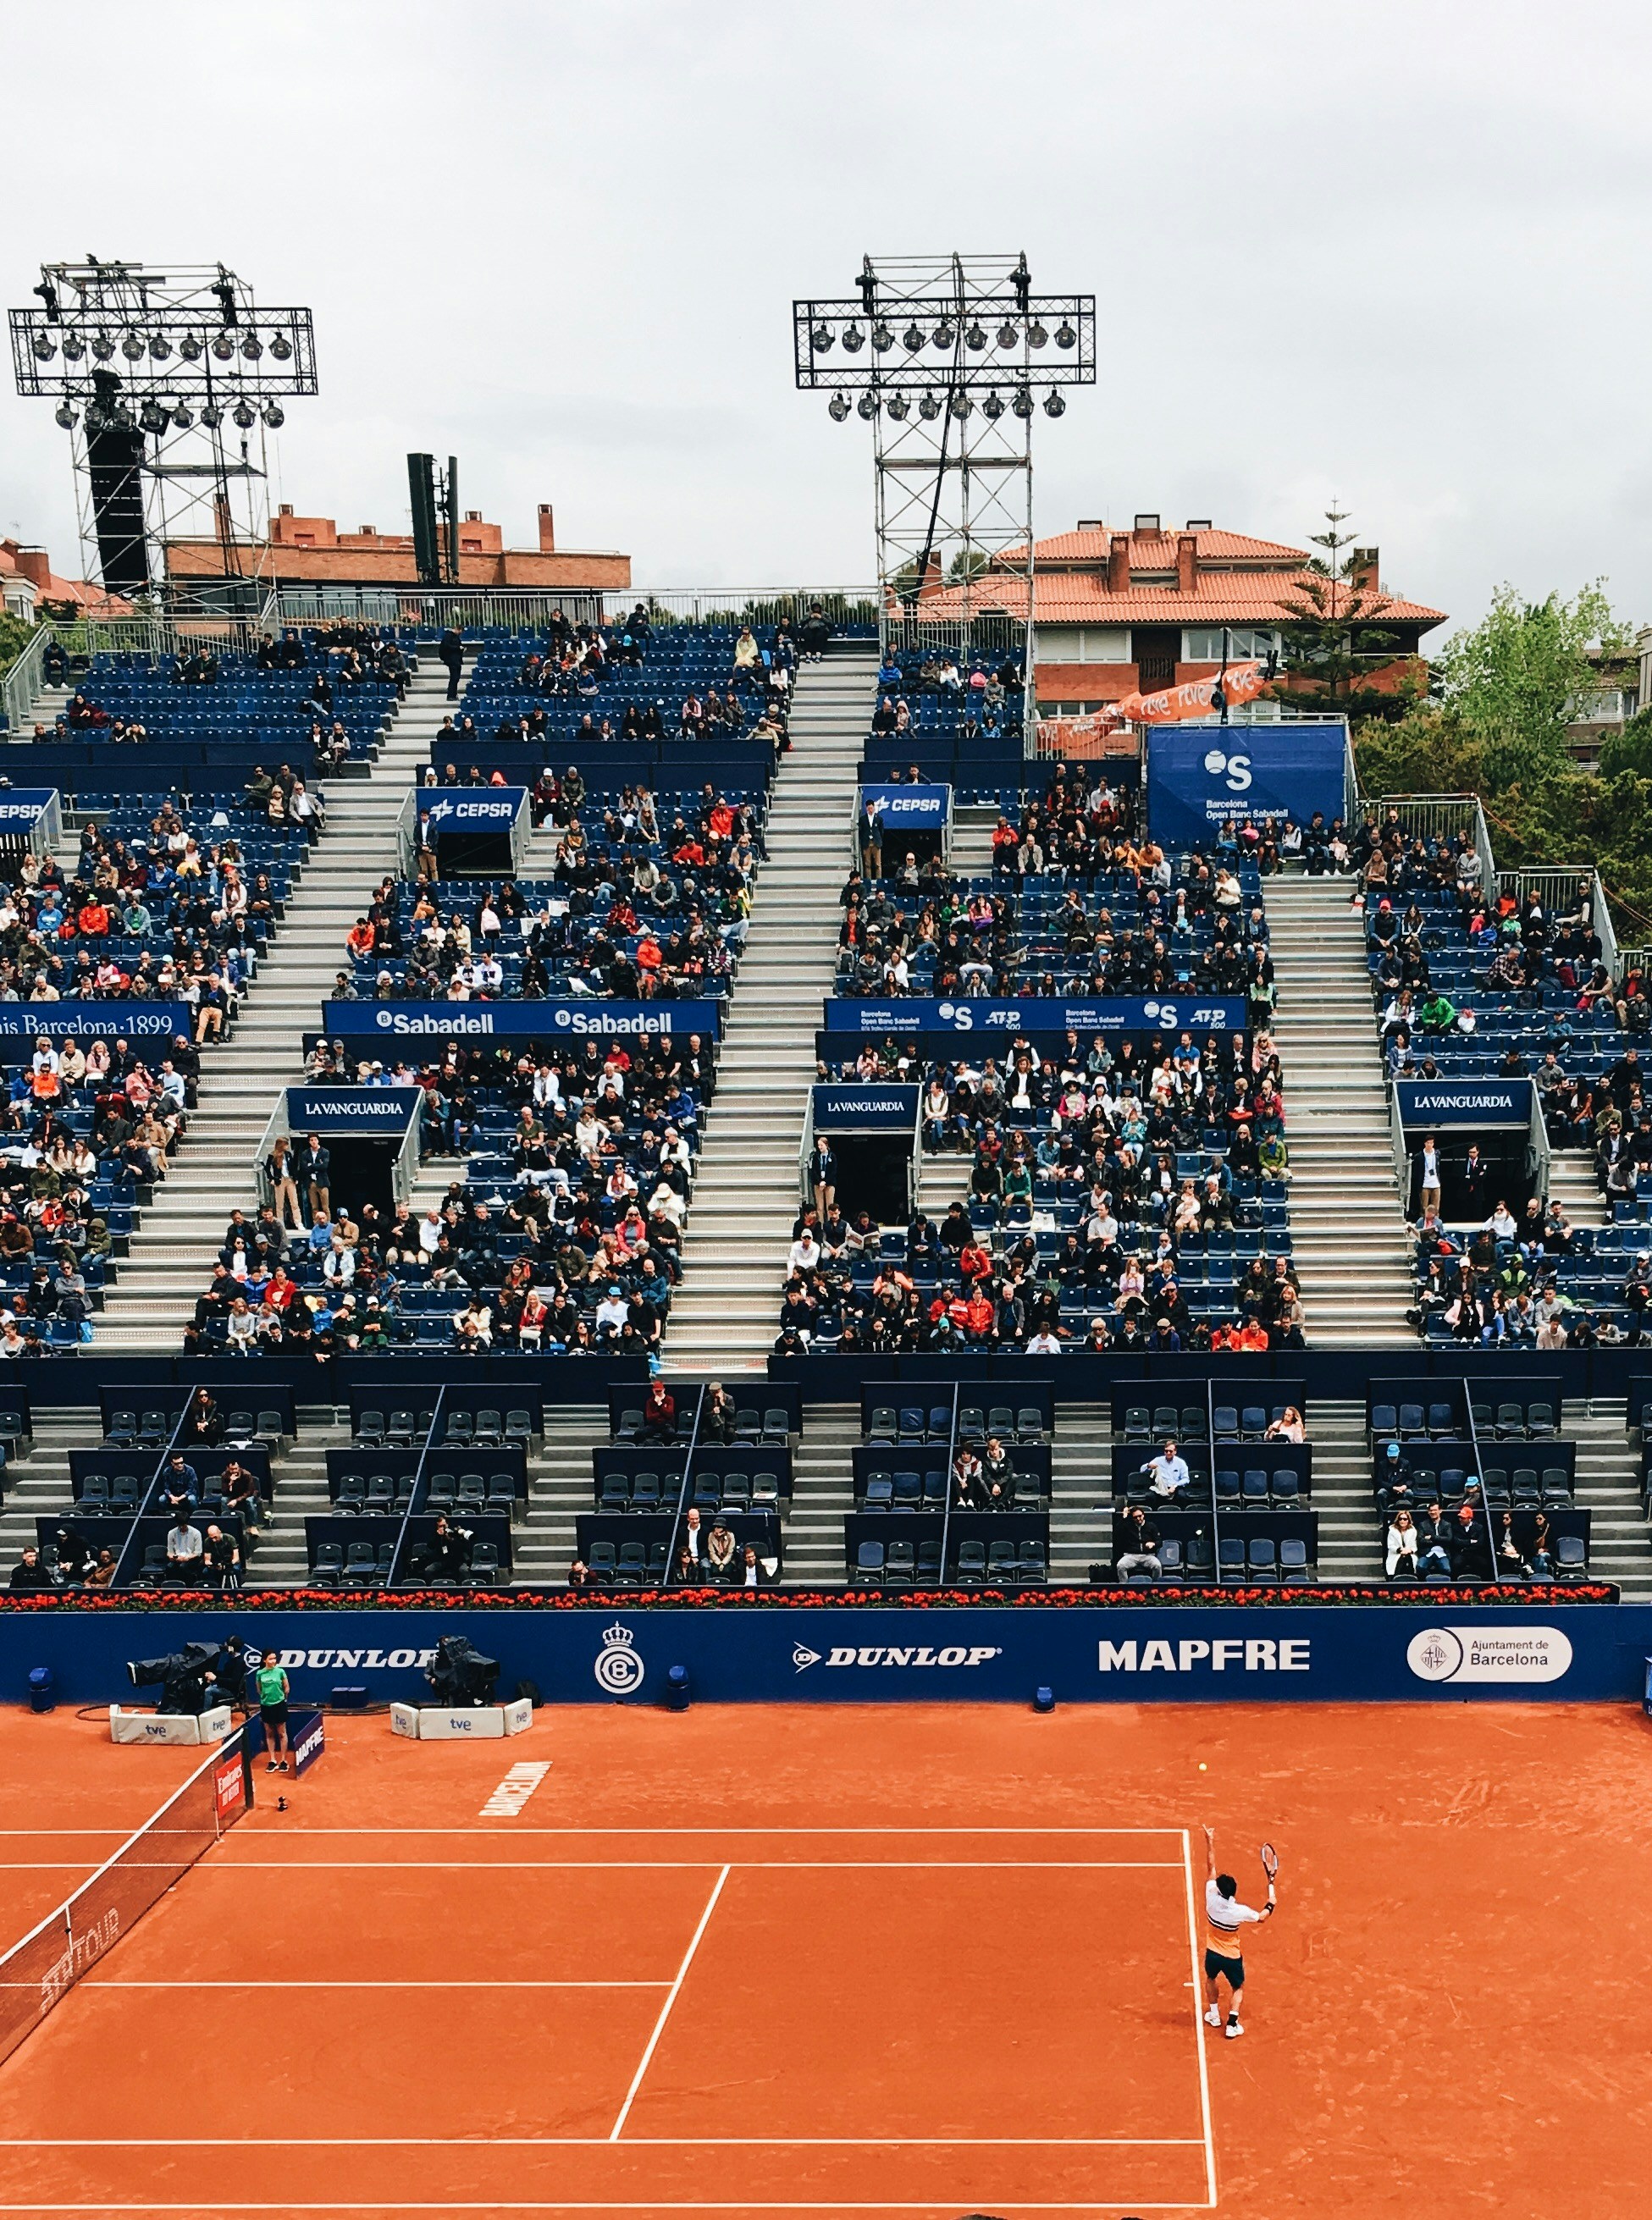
[1326,1653]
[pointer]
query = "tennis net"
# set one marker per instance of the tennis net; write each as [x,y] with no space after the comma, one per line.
[38,1972]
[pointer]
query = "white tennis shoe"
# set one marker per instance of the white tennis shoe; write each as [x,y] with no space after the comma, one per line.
[1234,2031]
[1213,2017]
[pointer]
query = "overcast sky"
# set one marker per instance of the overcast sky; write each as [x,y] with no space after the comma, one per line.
[1397,255]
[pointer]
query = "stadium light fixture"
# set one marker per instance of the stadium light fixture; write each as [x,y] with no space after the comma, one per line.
[212,416]
[993,407]
[132,347]
[66,415]
[1008,337]
[1035,334]
[821,338]
[244,417]
[160,347]
[1065,335]
[252,346]
[104,347]
[837,408]
[281,348]
[274,415]
[959,403]
[44,347]
[928,407]
[190,347]
[912,339]
[853,339]
[974,338]
[898,406]
[1022,403]
[74,347]
[224,348]
[153,417]
[883,337]
[945,336]
[182,416]
[1053,404]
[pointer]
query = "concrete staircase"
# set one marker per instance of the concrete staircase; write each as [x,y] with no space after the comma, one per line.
[215,1167]
[725,1313]
[823,1491]
[1350,1542]
[1081,1510]
[559,1490]
[1348,1233]
[1609,1487]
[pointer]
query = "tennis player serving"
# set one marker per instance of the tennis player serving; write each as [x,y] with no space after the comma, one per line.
[1224,1919]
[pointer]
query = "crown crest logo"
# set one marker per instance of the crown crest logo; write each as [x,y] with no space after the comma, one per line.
[617,1636]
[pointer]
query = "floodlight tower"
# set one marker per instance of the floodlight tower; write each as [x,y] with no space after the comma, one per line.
[949,358]
[167,386]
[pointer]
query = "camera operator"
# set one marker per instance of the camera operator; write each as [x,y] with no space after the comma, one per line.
[448,1555]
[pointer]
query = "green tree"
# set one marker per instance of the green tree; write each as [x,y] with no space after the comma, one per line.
[1328,625]
[1511,680]
[15,636]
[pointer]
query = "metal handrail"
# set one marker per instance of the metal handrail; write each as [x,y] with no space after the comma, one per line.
[23,682]
[689,1453]
[399,1555]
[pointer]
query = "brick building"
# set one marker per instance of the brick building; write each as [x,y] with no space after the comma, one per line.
[1145,608]
[311,551]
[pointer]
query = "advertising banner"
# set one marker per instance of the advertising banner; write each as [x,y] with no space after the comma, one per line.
[352,1112]
[910,809]
[870,1109]
[586,1018]
[487,809]
[22,807]
[1197,1013]
[1194,697]
[1427,1102]
[133,1021]
[1439,1651]
[1202,777]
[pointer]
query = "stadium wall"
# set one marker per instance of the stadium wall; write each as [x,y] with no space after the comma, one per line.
[1425,1652]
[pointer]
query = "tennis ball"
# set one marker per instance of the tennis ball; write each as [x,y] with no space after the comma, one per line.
[1201,1765]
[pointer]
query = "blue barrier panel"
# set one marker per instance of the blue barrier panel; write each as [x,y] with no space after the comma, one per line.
[917,1015]
[540,1020]
[347,1111]
[1428,1650]
[1200,777]
[1427,1103]
[874,1109]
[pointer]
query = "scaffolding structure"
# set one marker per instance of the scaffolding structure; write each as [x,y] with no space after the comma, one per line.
[168,386]
[949,359]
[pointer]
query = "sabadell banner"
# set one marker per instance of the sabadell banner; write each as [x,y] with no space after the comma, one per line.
[590,1018]
[1150,1654]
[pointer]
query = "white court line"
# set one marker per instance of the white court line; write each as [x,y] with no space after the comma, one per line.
[363,1985]
[635,2143]
[651,2205]
[1199,2024]
[643,1828]
[665,2009]
[687,1865]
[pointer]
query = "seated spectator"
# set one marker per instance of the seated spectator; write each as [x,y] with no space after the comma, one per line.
[1403,1545]
[1135,1542]
[28,1575]
[1169,1476]
[185,1545]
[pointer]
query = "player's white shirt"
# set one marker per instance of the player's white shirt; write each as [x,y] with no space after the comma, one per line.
[1225,1915]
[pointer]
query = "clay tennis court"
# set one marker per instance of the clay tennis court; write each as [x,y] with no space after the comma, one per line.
[930,1959]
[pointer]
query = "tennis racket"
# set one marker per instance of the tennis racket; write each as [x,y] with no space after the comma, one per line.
[1270,1857]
